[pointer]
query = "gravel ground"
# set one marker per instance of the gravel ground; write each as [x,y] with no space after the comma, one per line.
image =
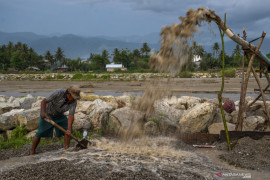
[24,151]
[159,158]
[111,160]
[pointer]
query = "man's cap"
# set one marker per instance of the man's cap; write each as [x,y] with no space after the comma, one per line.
[75,92]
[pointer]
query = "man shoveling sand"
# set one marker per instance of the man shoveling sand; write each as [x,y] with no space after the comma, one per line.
[53,107]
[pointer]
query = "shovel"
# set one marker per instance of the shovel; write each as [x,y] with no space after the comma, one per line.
[81,144]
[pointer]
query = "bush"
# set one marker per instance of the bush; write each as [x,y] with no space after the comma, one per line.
[229,72]
[105,76]
[49,77]
[18,132]
[185,74]
[77,76]
[16,140]
[59,76]
[89,76]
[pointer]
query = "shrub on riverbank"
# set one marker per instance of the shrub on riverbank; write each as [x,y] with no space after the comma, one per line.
[77,76]
[229,72]
[185,74]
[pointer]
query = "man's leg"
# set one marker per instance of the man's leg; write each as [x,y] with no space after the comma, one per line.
[34,145]
[66,141]
[62,121]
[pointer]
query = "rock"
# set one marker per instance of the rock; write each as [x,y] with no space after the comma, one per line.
[99,114]
[167,127]
[81,121]
[151,128]
[7,120]
[83,106]
[125,99]
[37,104]
[40,98]
[11,99]
[217,127]
[198,118]
[187,101]
[163,108]
[31,134]
[218,117]
[253,123]
[234,117]
[6,107]
[3,98]
[250,99]
[29,118]
[125,118]
[29,96]
[26,102]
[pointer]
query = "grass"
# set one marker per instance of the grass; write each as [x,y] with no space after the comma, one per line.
[59,76]
[105,76]
[77,76]
[153,119]
[18,139]
[185,74]
[231,72]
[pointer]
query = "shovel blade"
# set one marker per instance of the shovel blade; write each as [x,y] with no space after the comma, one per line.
[82,144]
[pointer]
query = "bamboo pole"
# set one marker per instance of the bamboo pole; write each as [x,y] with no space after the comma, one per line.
[243,93]
[222,88]
[245,44]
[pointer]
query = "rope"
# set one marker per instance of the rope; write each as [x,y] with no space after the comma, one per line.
[255,39]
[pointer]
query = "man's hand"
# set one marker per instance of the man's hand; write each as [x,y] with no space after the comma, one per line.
[44,115]
[68,132]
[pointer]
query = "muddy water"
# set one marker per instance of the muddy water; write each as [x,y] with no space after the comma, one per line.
[152,158]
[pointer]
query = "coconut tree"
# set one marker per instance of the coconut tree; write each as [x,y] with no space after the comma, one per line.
[216,49]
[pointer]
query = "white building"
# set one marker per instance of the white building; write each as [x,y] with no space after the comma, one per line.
[111,67]
[197,60]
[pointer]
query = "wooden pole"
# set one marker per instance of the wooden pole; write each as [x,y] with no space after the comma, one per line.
[242,99]
[262,92]
[245,84]
[258,96]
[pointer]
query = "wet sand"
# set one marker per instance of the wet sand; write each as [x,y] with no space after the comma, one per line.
[208,85]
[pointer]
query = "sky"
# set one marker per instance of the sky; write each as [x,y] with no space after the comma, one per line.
[124,17]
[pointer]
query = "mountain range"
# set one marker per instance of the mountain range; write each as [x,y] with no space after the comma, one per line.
[75,46]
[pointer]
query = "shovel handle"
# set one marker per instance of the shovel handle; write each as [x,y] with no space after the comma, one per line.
[59,127]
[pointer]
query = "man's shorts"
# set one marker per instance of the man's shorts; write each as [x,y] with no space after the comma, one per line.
[45,129]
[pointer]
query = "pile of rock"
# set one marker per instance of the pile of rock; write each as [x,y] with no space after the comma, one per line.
[185,114]
[112,76]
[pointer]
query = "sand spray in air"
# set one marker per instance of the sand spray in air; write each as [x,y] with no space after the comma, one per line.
[173,55]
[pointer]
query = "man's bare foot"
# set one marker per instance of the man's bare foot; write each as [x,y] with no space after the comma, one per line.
[32,153]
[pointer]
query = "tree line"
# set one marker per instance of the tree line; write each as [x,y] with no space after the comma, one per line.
[20,57]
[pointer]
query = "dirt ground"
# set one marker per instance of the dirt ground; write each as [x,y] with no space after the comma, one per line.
[232,85]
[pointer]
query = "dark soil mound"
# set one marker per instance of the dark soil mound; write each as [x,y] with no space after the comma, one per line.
[249,153]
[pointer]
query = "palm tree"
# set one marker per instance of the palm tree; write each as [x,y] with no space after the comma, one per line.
[49,56]
[194,47]
[200,51]
[216,49]
[145,49]
[59,55]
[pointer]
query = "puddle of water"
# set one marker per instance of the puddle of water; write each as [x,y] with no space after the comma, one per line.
[233,96]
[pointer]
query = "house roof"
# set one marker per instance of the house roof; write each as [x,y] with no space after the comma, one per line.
[114,65]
